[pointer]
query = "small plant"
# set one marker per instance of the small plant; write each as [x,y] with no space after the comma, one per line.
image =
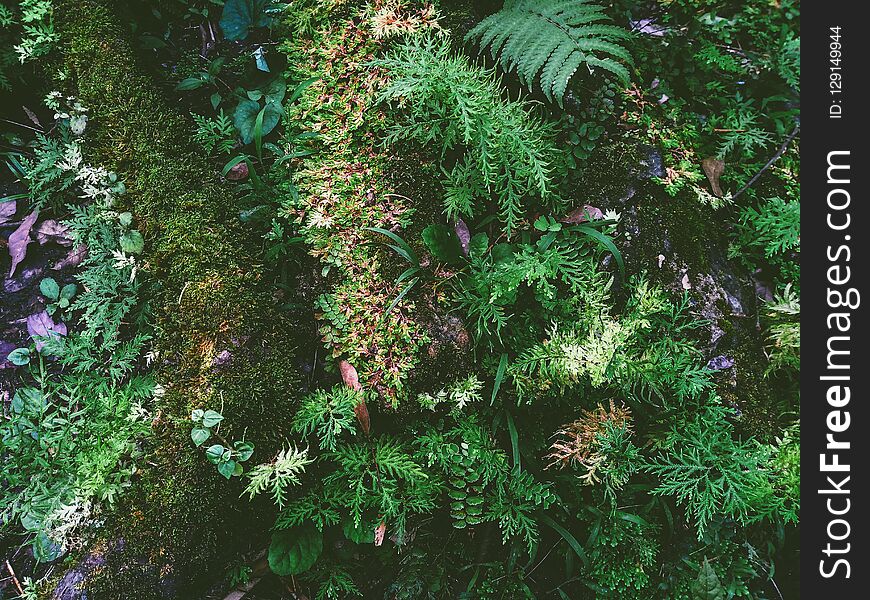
[215,134]
[227,457]
[60,298]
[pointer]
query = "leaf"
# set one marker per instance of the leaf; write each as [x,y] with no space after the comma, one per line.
[499,376]
[363,533]
[294,551]
[19,357]
[214,453]
[606,242]
[199,435]
[8,208]
[210,418]
[49,288]
[132,242]
[260,59]
[568,537]
[191,83]
[227,468]
[246,116]
[713,169]
[244,450]
[478,245]
[515,443]
[443,243]
[45,550]
[464,235]
[196,415]
[68,291]
[240,16]
[41,327]
[349,375]
[19,240]
[707,586]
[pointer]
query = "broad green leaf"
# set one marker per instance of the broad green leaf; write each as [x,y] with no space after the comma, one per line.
[132,242]
[19,357]
[245,118]
[191,83]
[199,435]
[443,243]
[68,291]
[244,450]
[240,16]
[49,288]
[707,586]
[294,551]
[214,453]
[227,468]
[210,418]
[362,534]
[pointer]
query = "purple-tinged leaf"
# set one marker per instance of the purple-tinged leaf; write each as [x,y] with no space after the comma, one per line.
[19,239]
[73,259]
[7,211]
[40,326]
[463,234]
[720,363]
[52,231]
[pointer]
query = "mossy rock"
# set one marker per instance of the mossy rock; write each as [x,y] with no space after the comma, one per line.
[222,342]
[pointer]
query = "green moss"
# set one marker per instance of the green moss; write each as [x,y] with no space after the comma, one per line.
[182,520]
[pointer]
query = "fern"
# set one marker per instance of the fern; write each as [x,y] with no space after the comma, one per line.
[278,475]
[549,40]
[216,133]
[327,414]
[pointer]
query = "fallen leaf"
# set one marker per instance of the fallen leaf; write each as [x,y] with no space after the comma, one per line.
[7,211]
[19,239]
[52,231]
[239,172]
[73,259]
[380,530]
[687,285]
[720,363]
[713,169]
[464,235]
[587,212]
[362,415]
[349,375]
[41,326]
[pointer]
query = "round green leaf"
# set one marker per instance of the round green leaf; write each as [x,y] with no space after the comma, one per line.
[245,118]
[244,450]
[214,453]
[199,435]
[132,242]
[443,243]
[294,551]
[227,468]
[49,288]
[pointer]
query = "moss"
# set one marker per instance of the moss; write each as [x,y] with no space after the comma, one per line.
[181,522]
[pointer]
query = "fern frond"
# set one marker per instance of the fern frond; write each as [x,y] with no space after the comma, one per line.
[549,41]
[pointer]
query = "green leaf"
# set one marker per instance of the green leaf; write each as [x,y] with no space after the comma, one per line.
[68,291]
[49,288]
[499,377]
[240,16]
[707,586]
[246,115]
[196,415]
[443,243]
[214,453]
[567,536]
[478,245]
[191,83]
[362,534]
[210,418]
[19,357]
[199,435]
[228,468]
[132,242]
[605,241]
[244,450]
[294,551]
[45,550]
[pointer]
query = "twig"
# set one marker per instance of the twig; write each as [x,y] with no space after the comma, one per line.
[14,578]
[773,159]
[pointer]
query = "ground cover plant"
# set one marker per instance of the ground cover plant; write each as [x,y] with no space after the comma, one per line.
[399,299]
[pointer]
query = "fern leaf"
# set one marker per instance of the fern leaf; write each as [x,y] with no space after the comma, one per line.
[549,41]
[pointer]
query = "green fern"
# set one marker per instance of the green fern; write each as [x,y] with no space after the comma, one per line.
[549,40]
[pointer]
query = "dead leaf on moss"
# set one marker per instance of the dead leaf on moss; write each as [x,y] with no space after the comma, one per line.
[19,240]
[587,212]
[713,169]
